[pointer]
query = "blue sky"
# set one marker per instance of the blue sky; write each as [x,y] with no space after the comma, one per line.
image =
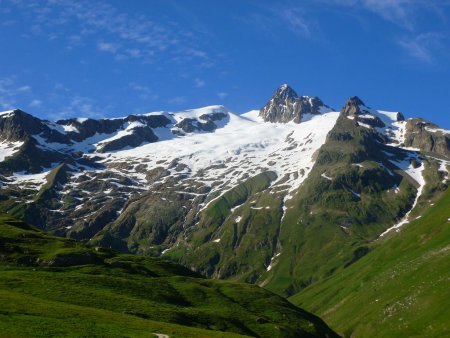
[64,58]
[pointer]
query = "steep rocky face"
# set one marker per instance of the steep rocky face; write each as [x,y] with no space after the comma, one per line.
[16,125]
[81,129]
[94,193]
[31,144]
[427,137]
[137,136]
[355,109]
[205,122]
[285,106]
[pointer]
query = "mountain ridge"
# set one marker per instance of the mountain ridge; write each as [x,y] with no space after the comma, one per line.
[226,194]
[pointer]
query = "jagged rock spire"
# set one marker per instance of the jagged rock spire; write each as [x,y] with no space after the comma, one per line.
[355,109]
[354,106]
[285,106]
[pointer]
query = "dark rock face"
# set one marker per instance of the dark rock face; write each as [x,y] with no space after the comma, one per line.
[427,137]
[213,117]
[17,125]
[136,138]
[400,117]
[31,158]
[353,106]
[40,136]
[355,109]
[189,125]
[89,127]
[285,106]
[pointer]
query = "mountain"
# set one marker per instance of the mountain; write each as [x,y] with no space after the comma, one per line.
[400,288]
[52,286]
[284,197]
[285,106]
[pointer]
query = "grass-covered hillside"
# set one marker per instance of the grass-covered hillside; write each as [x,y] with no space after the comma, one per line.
[51,286]
[348,199]
[400,289]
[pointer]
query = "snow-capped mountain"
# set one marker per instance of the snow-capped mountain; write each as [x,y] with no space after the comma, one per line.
[248,197]
[285,106]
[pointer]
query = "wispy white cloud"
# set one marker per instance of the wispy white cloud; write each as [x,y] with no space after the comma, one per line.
[35,103]
[178,100]
[74,41]
[131,36]
[421,47]
[61,87]
[222,95]
[144,92]
[402,13]
[11,92]
[295,19]
[301,19]
[275,17]
[6,96]
[133,53]
[78,106]
[107,47]
[199,82]
[418,44]
[24,88]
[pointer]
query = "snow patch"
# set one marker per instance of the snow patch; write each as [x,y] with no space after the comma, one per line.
[417,175]
[437,130]
[8,149]
[6,113]
[271,265]
[367,116]
[324,175]
[164,251]
[364,125]
[355,193]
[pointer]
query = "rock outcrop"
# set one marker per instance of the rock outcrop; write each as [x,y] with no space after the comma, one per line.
[286,106]
[427,137]
[355,109]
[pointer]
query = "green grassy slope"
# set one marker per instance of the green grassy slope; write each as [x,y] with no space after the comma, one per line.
[237,233]
[400,289]
[51,286]
[345,203]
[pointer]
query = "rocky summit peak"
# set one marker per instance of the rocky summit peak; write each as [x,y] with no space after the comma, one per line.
[285,91]
[355,100]
[354,106]
[286,105]
[355,109]
[13,112]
